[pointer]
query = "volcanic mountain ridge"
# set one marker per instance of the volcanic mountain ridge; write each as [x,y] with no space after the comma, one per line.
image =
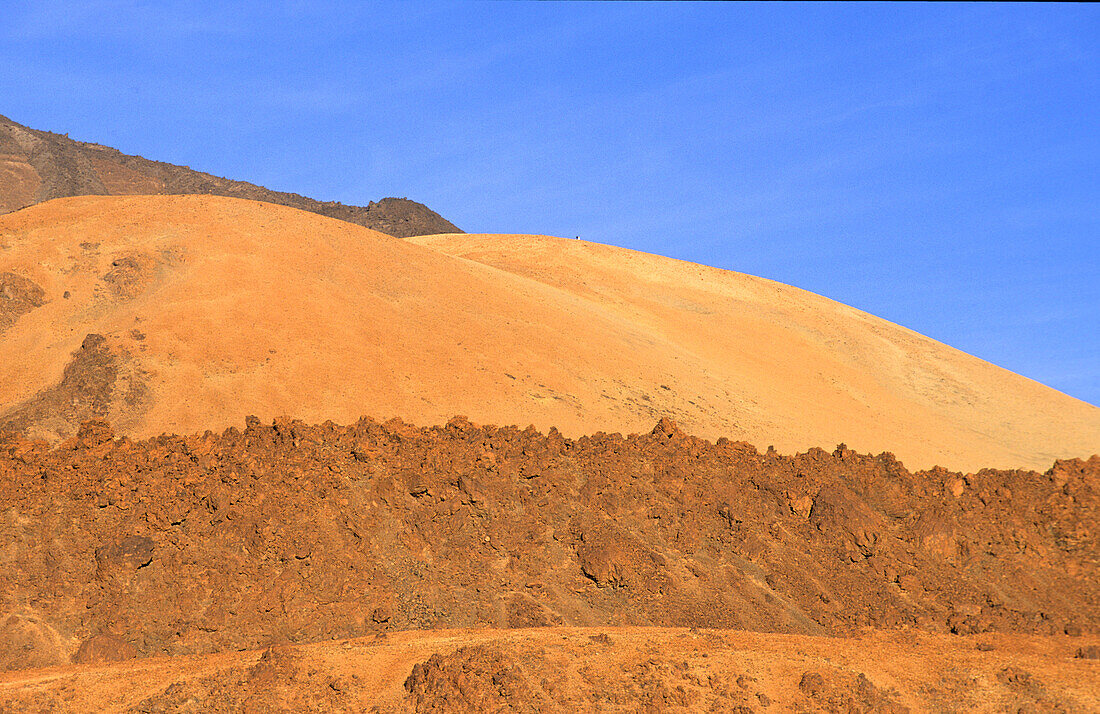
[37,166]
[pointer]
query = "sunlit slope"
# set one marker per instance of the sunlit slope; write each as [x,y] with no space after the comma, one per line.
[213,308]
[795,369]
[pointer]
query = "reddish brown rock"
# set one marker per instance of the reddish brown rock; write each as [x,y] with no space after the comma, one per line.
[286,532]
[104,648]
[44,165]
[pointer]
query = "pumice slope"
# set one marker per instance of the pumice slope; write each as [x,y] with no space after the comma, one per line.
[184,313]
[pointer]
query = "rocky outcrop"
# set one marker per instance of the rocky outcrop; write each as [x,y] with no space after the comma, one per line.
[291,532]
[37,166]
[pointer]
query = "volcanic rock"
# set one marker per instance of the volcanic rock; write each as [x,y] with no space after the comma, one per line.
[41,165]
[214,542]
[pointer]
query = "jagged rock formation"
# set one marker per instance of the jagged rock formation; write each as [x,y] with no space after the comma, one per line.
[37,166]
[302,533]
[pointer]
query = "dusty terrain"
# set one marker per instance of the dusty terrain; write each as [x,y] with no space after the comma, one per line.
[588,669]
[37,166]
[184,313]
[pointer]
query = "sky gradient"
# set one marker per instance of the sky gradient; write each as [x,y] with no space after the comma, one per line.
[935,165]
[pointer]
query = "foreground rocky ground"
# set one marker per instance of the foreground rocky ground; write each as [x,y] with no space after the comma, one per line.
[590,669]
[290,533]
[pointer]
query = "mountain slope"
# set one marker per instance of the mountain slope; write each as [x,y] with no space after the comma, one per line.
[38,166]
[790,364]
[182,313]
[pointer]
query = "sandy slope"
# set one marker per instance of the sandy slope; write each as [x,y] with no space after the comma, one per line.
[589,669]
[795,368]
[213,308]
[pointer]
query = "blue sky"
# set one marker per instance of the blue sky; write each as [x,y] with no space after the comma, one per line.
[936,165]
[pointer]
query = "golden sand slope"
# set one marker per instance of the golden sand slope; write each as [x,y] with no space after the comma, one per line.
[795,369]
[213,308]
[589,669]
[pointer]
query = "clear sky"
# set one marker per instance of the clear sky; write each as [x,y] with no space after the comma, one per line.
[936,165]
